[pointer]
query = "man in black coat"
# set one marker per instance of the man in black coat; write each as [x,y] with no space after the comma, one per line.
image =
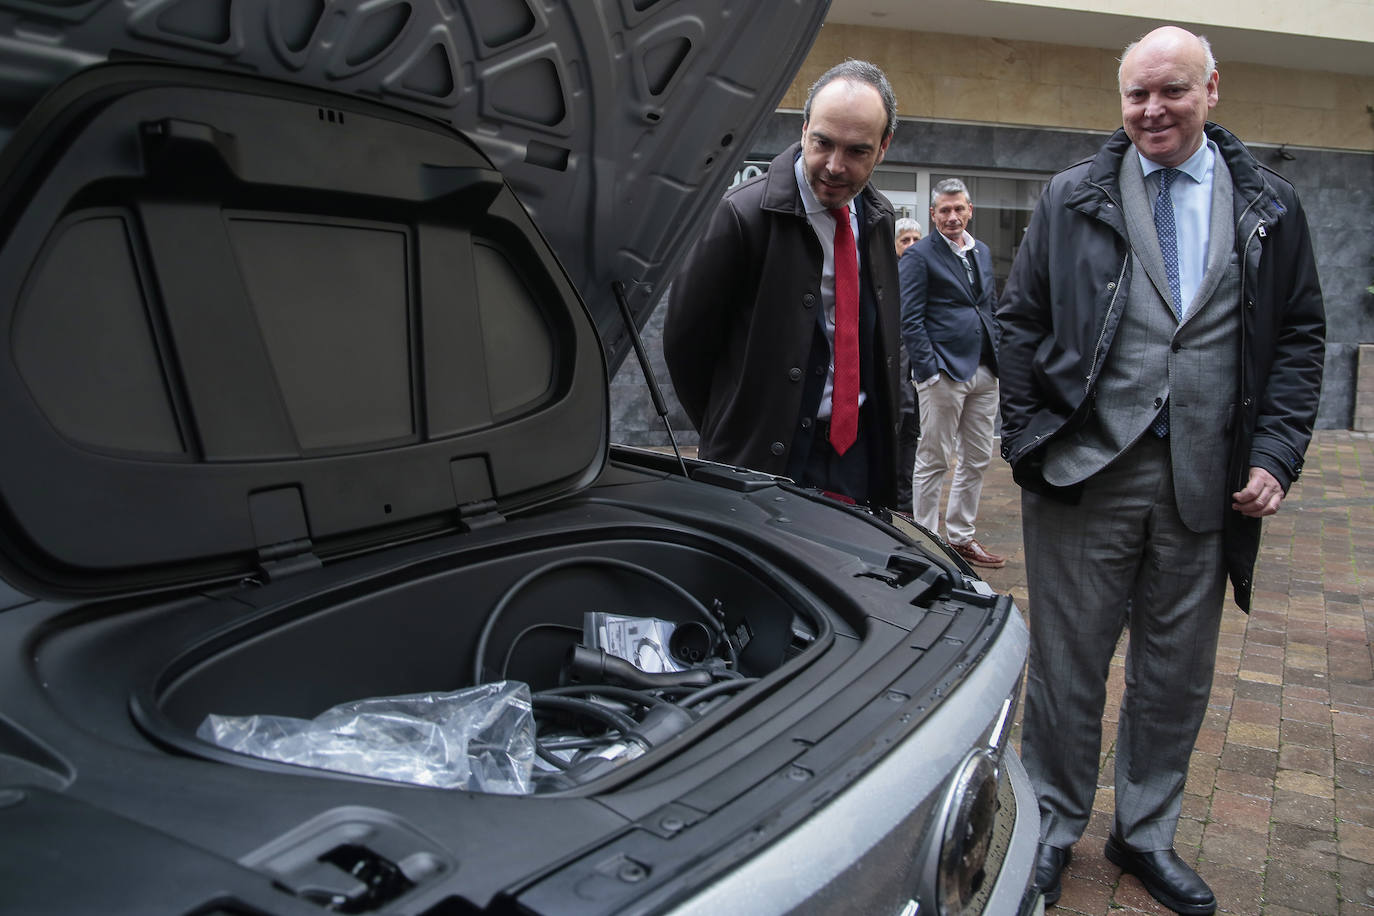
[1161,358]
[752,317]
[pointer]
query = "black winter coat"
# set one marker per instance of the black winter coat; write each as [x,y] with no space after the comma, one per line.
[1062,303]
[743,337]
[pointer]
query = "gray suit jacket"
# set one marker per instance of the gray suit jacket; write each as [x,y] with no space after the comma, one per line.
[1156,358]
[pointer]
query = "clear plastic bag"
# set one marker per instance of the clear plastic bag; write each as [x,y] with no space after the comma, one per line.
[480,738]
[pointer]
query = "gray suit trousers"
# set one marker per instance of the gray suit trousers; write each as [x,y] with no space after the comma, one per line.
[1121,552]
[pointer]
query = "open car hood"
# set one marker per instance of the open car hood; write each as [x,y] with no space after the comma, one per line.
[261,305]
[617,122]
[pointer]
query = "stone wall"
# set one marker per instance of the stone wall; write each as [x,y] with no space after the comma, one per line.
[963,77]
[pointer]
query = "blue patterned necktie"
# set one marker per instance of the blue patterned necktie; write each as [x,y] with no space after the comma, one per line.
[1168,236]
[1168,247]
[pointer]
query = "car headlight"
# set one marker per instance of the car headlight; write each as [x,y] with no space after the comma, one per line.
[970,814]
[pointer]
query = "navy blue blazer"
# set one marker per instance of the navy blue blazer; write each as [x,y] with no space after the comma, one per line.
[943,323]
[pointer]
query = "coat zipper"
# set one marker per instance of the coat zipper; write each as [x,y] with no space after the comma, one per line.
[1101,335]
[1244,257]
[1106,318]
[1244,340]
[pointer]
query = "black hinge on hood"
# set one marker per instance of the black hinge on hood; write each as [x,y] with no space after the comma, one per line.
[477,515]
[280,560]
[282,533]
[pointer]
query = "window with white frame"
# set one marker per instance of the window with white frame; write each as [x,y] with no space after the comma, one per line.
[1002,204]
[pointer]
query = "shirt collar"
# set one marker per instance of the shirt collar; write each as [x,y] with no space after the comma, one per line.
[808,196]
[1195,166]
[964,244]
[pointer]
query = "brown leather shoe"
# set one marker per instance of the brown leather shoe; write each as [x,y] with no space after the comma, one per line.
[976,554]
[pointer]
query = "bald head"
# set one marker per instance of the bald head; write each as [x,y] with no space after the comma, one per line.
[1173,38]
[1168,86]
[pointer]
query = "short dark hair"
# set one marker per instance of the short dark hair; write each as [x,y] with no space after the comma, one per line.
[857,71]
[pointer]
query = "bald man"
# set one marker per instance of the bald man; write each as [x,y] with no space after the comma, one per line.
[1161,362]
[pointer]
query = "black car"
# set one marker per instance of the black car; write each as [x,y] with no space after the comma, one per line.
[321,587]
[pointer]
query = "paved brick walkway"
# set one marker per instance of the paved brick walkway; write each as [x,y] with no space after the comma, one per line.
[1278,812]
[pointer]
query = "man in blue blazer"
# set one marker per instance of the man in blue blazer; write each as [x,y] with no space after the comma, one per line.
[948,296]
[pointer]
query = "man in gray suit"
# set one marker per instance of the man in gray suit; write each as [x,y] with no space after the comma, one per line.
[1160,357]
[947,300]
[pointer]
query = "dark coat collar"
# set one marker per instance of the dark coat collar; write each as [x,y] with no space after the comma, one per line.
[1247,175]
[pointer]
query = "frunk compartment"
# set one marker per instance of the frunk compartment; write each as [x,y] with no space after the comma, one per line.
[705,624]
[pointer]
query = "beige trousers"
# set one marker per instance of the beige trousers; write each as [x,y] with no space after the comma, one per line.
[957,422]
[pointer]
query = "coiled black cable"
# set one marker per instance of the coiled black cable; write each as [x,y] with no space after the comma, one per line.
[550,757]
[489,625]
[510,651]
[617,720]
[716,689]
[628,694]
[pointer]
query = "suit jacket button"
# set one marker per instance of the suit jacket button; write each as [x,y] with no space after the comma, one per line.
[794,374]
[776,448]
[820,370]
[808,300]
[806,423]
[1159,402]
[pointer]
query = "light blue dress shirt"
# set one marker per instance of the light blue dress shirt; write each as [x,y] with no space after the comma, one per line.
[1192,196]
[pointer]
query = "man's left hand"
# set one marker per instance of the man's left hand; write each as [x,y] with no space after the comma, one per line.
[1261,496]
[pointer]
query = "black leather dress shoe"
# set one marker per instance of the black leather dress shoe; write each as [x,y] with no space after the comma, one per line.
[1049,864]
[1167,877]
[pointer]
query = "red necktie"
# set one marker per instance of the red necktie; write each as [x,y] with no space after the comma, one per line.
[844,398]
